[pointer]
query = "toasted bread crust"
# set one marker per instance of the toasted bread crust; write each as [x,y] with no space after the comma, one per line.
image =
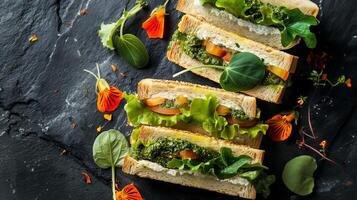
[272,57]
[131,166]
[266,93]
[150,133]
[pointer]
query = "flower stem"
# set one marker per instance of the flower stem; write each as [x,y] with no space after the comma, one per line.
[91,73]
[167,1]
[122,28]
[113,182]
[192,68]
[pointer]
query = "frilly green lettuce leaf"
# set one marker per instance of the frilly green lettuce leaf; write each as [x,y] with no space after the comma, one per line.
[255,130]
[139,114]
[202,112]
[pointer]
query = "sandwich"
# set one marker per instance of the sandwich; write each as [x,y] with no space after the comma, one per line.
[198,43]
[210,111]
[194,160]
[276,23]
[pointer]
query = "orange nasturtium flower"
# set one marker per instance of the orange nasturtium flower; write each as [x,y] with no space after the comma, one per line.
[155,24]
[349,83]
[280,127]
[129,192]
[109,97]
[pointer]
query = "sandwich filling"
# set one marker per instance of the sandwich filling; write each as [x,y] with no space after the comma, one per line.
[177,157]
[209,53]
[215,119]
[290,22]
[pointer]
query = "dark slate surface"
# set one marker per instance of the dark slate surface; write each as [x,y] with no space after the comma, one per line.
[43,91]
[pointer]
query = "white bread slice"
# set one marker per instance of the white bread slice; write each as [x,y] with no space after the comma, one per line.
[263,34]
[152,88]
[272,94]
[305,6]
[204,31]
[151,134]
[132,166]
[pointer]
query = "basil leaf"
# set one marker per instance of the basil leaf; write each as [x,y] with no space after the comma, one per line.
[132,49]
[298,174]
[244,72]
[109,149]
[298,24]
[232,169]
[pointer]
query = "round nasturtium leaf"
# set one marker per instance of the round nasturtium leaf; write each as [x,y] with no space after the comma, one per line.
[298,174]
[244,72]
[109,149]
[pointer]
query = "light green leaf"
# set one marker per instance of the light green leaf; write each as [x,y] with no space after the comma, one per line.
[298,174]
[109,149]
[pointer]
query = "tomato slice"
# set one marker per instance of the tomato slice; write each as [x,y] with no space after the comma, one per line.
[250,123]
[227,58]
[154,101]
[165,111]
[279,72]
[188,154]
[223,110]
[214,49]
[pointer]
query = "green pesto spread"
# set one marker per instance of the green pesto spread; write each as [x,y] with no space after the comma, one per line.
[240,115]
[193,47]
[164,150]
[272,79]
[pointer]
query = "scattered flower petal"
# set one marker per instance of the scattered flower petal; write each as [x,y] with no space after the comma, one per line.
[83,12]
[349,83]
[87,178]
[108,117]
[122,74]
[114,68]
[99,129]
[280,127]
[33,38]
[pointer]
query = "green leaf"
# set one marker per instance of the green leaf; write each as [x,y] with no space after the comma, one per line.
[298,25]
[235,7]
[107,31]
[132,49]
[109,149]
[244,72]
[232,169]
[262,183]
[212,2]
[254,131]
[298,174]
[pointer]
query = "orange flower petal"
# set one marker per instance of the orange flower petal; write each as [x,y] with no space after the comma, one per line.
[87,178]
[154,26]
[280,127]
[129,192]
[108,117]
[349,83]
[109,99]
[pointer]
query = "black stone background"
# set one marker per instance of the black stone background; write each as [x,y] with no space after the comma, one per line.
[43,90]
